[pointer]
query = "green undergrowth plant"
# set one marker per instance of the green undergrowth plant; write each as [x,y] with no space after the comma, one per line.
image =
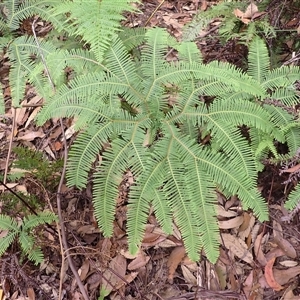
[23,232]
[232,26]
[77,23]
[37,165]
[33,164]
[154,116]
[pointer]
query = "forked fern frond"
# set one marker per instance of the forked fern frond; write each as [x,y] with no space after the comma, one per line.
[126,103]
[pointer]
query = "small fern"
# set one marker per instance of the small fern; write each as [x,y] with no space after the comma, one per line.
[231,26]
[157,139]
[99,24]
[23,232]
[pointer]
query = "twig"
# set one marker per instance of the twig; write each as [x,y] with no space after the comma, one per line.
[60,217]
[156,9]
[10,145]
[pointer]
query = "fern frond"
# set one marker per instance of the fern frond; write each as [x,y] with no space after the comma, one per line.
[281,77]
[7,240]
[21,10]
[102,16]
[28,246]
[7,223]
[293,199]
[258,60]
[32,221]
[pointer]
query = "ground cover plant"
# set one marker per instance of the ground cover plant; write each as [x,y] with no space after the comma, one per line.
[127,104]
[184,129]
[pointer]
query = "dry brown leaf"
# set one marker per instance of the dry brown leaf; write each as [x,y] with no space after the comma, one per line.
[128,278]
[84,269]
[10,185]
[250,10]
[248,285]
[291,170]
[249,14]
[188,275]
[30,136]
[258,251]
[20,113]
[225,213]
[174,260]
[30,294]
[151,239]
[286,247]
[167,244]
[270,276]
[289,295]
[231,223]
[87,229]
[221,271]
[288,263]
[32,116]
[128,255]
[203,6]
[110,279]
[238,247]
[284,276]
[246,221]
[140,261]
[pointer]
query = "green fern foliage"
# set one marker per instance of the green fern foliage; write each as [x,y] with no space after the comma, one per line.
[151,113]
[231,26]
[94,22]
[23,232]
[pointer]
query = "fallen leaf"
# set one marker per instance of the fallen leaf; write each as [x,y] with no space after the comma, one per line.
[238,247]
[174,260]
[32,116]
[286,247]
[188,276]
[270,276]
[291,170]
[140,261]
[284,276]
[30,294]
[31,136]
[258,251]
[84,269]
[231,223]
[114,275]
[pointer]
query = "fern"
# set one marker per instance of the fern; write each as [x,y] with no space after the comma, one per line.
[231,26]
[23,232]
[102,16]
[149,136]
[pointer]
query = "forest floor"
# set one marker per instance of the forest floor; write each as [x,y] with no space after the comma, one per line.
[257,260]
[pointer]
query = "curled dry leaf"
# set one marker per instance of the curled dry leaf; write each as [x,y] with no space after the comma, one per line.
[231,223]
[288,263]
[258,251]
[174,260]
[225,213]
[270,276]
